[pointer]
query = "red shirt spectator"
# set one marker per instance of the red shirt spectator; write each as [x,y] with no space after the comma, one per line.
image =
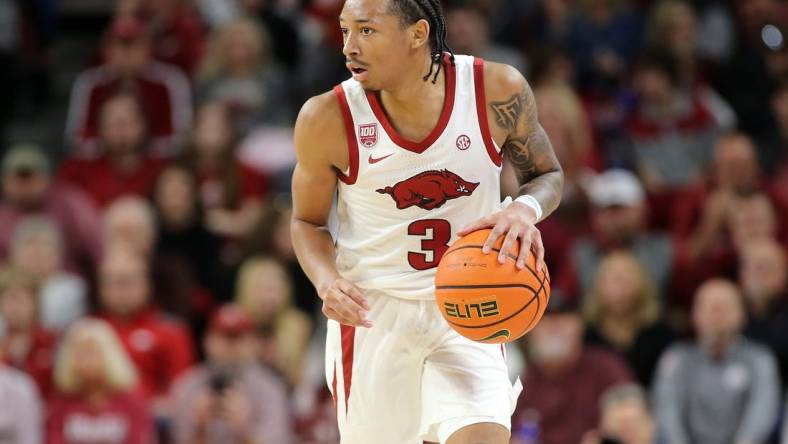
[96,401]
[714,219]
[564,380]
[104,181]
[251,185]
[27,191]
[180,42]
[175,28]
[231,193]
[567,404]
[123,419]
[24,344]
[163,91]
[124,167]
[38,360]
[735,171]
[160,348]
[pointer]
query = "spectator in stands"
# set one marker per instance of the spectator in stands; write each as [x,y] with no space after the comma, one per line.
[672,132]
[230,398]
[131,221]
[752,218]
[159,347]
[673,27]
[96,383]
[174,27]
[27,190]
[700,213]
[625,417]
[710,220]
[547,25]
[564,378]
[37,248]
[281,20]
[264,292]
[468,29]
[21,412]
[564,119]
[124,165]
[273,239]
[623,314]
[763,276]
[24,344]
[730,223]
[618,221]
[182,235]
[323,63]
[716,36]
[163,91]
[603,37]
[230,192]
[720,388]
[239,72]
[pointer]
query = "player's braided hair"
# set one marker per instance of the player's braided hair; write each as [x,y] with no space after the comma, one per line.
[411,11]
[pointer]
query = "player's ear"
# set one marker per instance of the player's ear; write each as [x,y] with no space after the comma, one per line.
[420,33]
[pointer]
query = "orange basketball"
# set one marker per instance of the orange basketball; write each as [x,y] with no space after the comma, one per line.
[484,300]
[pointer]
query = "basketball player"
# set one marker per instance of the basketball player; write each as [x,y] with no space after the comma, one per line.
[409,147]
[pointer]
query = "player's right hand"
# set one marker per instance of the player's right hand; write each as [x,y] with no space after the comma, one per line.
[344,303]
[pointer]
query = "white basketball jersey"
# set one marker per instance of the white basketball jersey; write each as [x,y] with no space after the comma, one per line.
[401,202]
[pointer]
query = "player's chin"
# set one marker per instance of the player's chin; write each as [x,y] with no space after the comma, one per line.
[366,81]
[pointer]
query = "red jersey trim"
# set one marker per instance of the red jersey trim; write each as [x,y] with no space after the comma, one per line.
[448,106]
[481,110]
[348,335]
[350,135]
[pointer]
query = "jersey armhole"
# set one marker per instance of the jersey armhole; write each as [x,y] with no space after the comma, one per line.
[350,135]
[481,110]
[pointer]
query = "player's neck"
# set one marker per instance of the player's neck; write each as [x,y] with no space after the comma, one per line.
[413,89]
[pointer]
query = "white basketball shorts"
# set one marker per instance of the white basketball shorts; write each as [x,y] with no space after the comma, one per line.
[411,378]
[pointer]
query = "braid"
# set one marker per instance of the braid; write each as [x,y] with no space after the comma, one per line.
[412,11]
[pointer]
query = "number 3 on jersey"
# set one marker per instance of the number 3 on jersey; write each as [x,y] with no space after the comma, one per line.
[432,248]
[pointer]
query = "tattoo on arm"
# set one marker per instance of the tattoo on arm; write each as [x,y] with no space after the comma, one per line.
[529,149]
[507,113]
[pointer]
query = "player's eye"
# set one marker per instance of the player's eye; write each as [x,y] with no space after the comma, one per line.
[344,31]
[366,31]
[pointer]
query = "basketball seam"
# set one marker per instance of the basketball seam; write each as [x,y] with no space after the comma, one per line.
[509,255]
[462,287]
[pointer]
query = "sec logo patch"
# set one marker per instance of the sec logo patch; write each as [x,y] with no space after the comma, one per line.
[463,142]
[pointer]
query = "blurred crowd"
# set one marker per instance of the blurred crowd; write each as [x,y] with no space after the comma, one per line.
[149,291]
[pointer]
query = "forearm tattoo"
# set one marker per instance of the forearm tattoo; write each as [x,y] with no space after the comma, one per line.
[529,149]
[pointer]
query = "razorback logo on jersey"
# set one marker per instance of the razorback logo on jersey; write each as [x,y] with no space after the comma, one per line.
[428,190]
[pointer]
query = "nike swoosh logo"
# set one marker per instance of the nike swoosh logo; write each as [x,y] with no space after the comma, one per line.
[373,160]
[497,334]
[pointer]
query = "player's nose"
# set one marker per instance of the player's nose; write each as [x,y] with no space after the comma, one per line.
[350,46]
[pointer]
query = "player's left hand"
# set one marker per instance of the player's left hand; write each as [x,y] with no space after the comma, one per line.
[517,221]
